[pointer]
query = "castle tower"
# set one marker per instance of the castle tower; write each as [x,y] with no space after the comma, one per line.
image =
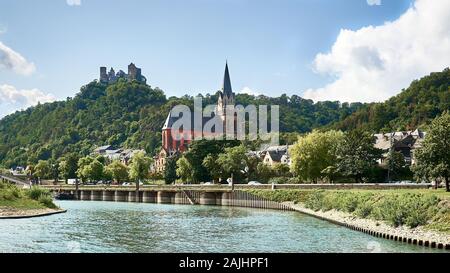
[112,75]
[134,73]
[103,75]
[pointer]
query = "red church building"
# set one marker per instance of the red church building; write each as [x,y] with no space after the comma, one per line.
[171,146]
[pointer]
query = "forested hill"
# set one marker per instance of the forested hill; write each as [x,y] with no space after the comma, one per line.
[413,108]
[128,115]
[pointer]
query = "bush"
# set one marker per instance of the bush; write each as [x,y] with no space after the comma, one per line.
[315,200]
[36,192]
[328,203]
[294,180]
[410,209]
[396,209]
[9,192]
[364,210]
[47,201]
[277,180]
[350,203]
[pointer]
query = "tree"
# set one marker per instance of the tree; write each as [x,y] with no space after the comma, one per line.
[433,159]
[54,170]
[197,153]
[233,162]
[396,165]
[170,170]
[30,171]
[264,172]
[184,169]
[68,166]
[82,163]
[281,170]
[43,169]
[330,173]
[357,155]
[210,164]
[140,168]
[118,171]
[94,171]
[313,153]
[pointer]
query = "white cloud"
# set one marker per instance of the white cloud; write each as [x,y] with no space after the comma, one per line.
[73,2]
[248,90]
[12,99]
[375,63]
[10,59]
[373,2]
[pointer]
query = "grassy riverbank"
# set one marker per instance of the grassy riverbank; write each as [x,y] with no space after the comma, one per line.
[15,199]
[412,208]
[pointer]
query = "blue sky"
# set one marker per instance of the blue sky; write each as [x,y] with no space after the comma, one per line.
[272,47]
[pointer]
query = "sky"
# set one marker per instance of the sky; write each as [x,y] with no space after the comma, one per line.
[346,50]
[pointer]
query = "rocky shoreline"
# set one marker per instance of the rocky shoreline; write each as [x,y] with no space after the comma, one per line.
[417,235]
[14,213]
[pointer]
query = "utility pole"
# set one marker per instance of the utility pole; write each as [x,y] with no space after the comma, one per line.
[232,182]
[390,157]
[76,190]
[137,190]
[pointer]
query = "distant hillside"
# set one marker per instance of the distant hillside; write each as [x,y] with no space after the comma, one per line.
[414,107]
[128,114]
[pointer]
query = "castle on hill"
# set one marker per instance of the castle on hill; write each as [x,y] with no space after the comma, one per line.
[134,73]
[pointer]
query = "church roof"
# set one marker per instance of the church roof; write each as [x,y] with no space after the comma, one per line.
[171,119]
[226,87]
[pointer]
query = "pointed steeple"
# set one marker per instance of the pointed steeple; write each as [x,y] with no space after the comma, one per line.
[226,88]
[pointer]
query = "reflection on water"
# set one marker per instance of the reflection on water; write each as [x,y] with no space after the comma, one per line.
[130,227]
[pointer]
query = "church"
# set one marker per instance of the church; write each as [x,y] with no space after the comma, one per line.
[171,147]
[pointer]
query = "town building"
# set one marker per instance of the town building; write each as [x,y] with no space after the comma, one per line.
[405,142]
[113,154]
[276,155]
[134,73]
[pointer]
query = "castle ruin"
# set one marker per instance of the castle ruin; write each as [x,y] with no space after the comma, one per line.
[134,73]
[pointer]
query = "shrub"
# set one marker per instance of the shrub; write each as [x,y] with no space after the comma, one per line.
[315,200]
[278,180]
[9,192]
[402,208]
[416,218]
[294,180]
[36,192]
[47,201]
[364,209]
[350,203]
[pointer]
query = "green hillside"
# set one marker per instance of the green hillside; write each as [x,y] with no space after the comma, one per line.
[414,107]
[128,114]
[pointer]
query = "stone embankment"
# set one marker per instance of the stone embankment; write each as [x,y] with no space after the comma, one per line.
[418,236]
[14,213]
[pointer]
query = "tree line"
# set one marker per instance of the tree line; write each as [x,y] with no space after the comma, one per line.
[92,169]
[130,115]
[330,156]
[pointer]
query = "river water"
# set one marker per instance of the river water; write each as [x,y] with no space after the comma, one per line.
[91,226]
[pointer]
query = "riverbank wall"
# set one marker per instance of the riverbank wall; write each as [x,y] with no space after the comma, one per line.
[418,237]
[175,196]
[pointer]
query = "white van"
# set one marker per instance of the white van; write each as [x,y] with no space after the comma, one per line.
[71,181]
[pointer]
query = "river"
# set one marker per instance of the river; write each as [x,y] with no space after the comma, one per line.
[96,226]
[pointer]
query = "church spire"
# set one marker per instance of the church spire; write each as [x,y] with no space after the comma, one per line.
[226,88]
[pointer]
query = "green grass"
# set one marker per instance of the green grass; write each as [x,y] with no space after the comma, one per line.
[417,207]
[24,203]
[35,198]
